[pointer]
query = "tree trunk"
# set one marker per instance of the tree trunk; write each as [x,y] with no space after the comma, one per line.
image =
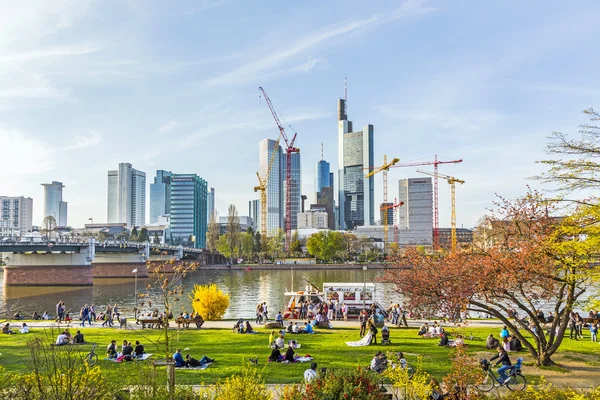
[543,359]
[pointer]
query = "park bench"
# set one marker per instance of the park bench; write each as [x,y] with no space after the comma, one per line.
[182,321]
[151,322]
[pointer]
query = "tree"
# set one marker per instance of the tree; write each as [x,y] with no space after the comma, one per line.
[49,223]
[143,236]
[133,236]
[212,237]
[296,245]
[325,244]
[209,301]
[247,245]
[233,232]
[276,244]
[531,260]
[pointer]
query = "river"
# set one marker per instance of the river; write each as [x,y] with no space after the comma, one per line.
[245,288]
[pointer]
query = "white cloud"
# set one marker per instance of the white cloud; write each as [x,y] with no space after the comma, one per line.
[92,139]
[168,126]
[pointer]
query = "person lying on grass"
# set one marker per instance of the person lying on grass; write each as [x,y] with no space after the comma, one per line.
[192,362]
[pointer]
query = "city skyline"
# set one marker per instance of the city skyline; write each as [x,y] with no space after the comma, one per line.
[101,92]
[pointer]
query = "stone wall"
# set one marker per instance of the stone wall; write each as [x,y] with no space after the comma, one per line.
[119,269]
[48,275]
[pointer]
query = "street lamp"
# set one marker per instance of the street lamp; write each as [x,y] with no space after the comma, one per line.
[364,287]
[91,226]
[135,271]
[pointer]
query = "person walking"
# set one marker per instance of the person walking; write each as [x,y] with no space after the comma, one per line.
[108,316]
[572,326]
[345,311]
[84,314]
[265,311]
[115,313]
[362,319]
[93,312]
[58,312]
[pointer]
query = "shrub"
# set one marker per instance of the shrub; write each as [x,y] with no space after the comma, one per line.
[358,384]
[249,385]
[416,387]
[546,390]
[209,301]
[465,373]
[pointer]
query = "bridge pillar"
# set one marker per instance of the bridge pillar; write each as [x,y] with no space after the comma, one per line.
[119,265]
[70,269]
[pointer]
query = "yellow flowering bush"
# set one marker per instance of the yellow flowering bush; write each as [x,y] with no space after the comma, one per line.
[209,301]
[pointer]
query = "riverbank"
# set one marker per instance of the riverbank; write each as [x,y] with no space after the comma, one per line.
[577,361]
[288,267]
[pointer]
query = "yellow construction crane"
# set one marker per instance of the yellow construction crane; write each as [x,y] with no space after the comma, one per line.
[452,181]
[262,187]
[385,168]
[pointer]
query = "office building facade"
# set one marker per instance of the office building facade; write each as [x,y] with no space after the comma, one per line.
[54,206]
[275,204]
[160,195]
[16,216]
[355,157]
[386,210]
[322,176]
[415,217]
[296,192]
[211,204]
[189,198]
[254,213]
[312,219]
[126,196]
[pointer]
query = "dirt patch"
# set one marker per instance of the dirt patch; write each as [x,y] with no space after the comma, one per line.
[577,370]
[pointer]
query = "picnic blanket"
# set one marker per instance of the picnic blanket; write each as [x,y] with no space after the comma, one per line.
[202,367]
[143,357]
[304,359]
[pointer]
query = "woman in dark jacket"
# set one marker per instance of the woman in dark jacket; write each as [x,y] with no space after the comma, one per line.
[289,354]
[275,355]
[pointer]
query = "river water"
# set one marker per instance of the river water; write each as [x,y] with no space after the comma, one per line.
[245,288]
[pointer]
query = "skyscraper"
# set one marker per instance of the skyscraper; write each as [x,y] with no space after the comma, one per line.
[54,205]
[211,204]
[415,217]
[355,157]
[275,204]
[322,176]
[390,213]
[160,195]
[126,196]
[189,198]
[254,213]
[296,193]
[15,215]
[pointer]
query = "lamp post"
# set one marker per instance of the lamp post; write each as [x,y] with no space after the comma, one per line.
[364,287]
[92,226]
[135,271]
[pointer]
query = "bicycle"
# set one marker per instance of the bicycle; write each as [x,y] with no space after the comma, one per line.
[91,358]
[515,381]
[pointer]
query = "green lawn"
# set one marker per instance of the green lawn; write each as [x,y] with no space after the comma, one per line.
[231,351]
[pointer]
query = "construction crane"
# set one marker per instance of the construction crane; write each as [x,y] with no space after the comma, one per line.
[384,168]
[262,187]
[393,207]
[452,181]
[436,215]
[289,150]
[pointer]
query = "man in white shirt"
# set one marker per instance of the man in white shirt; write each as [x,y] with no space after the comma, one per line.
[62,339]
[295,328]
[310,373]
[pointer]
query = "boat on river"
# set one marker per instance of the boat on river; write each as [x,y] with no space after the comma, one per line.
[356,296]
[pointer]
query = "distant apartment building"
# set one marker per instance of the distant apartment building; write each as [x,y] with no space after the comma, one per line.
[16,216]
[254,214]
[312,219]
[355,157]
[126,196]
[189,196]
[54,206]
[463,237]
[275,198]
[160,195]
[415,217]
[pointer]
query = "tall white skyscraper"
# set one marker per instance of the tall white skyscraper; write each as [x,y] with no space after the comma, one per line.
[54,205]
[355,158]
[415,216]
[275,210]
[127,196]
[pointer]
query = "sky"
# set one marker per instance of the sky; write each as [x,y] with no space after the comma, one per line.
[85,85]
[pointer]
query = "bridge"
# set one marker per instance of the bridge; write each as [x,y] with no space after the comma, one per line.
[78,263]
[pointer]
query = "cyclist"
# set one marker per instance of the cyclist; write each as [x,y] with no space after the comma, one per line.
[503,359]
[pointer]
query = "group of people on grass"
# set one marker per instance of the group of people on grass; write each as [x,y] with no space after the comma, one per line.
[277,343]
[190,362]
[7,331]
[127,353]
[65,338]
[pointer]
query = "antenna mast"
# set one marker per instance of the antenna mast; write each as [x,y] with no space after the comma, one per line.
[321,151]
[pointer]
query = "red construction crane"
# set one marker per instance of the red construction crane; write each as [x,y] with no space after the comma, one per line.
[436,216]
[289,150]
[393,207]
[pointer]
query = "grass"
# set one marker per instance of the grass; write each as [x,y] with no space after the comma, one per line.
[328,347]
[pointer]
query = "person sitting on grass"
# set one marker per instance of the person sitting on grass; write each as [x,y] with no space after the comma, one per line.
[279,342]
[78,338]
[290,327]
[127,354]
[62,339]
[249,327]
[444,340]
[24,328]
[6,329]
[295,328]
[139,349]
[275,355]
[378,363]
[35,316]
[279,319]
[423,330]
[178,358]
[308,328]
[46,316]
[491,342]
[289,354]
[271,338]
[111,350]
[310,373]
[192,362]
[515,344]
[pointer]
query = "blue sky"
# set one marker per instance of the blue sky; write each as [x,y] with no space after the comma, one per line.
[86,84]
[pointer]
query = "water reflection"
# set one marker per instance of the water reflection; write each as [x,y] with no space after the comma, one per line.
[245,288]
